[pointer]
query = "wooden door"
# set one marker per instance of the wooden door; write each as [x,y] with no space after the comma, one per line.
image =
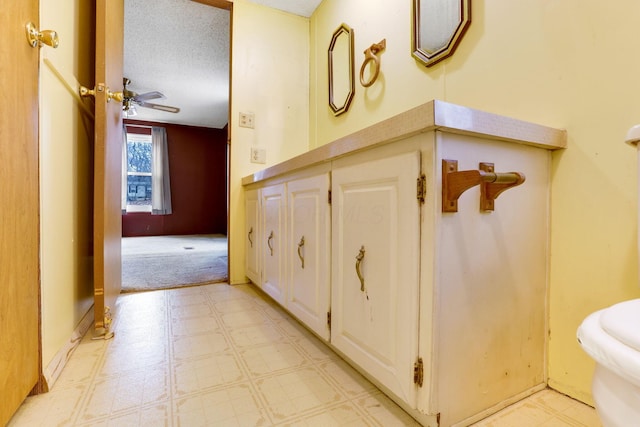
[107,161]
[252,232]
[19,216]
[376,238]
[273,241]
[308,272]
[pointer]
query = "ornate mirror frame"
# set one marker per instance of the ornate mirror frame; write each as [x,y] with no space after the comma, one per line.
[447,38]
[341,70]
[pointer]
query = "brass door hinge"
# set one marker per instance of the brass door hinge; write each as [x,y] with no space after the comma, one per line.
[329,320]
[418,372]
[421,189]
[329,197]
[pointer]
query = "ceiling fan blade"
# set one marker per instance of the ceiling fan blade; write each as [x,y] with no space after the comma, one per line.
[167,108]
[147,96]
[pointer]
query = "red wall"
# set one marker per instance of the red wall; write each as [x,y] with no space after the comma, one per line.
[198,173]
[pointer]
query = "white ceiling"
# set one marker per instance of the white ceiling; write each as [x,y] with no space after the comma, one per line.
[297,7]
[181,48]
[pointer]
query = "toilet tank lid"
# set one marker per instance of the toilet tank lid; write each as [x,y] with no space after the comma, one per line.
[622,321]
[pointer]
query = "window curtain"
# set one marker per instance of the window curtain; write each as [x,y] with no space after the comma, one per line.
[125,166]
[161,191]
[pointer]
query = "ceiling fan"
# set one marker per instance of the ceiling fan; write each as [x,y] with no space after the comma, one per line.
[131,99]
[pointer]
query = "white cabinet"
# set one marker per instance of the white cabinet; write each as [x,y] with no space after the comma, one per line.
[375,279]
[273,200]
[490,284]
[252,232]
[288,229]
[459,295]
[310,256]
[308,268]
[453,301]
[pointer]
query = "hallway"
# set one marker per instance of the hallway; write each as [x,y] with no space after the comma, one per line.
[220,355]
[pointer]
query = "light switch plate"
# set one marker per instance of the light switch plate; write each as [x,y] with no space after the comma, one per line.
[246,120]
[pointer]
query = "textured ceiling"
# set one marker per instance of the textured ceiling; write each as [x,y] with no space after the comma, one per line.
[181,48]
[297,7]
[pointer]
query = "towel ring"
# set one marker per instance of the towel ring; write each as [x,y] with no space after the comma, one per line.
[371,55]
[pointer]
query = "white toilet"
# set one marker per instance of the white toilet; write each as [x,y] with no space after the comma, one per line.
[612,338]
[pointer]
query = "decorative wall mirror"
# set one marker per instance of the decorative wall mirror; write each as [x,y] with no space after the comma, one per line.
[438,26]
[341,81]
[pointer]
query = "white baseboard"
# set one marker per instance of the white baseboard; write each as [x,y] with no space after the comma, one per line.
[57,364]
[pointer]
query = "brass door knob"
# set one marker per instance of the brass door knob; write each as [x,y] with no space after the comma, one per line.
[85,91]
[37,38]
[118,96]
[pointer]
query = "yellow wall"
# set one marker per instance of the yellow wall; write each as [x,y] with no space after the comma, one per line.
[270,78]
[571,65]
[66,137]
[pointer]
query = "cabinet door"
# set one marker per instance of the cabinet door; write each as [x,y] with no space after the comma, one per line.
[252,233]
[376,254]
[308,250]
[273,241]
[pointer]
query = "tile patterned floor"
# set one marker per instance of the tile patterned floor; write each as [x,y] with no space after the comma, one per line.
[546,408]
[220,355]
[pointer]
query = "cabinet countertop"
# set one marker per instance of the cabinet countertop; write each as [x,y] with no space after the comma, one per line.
[434,115]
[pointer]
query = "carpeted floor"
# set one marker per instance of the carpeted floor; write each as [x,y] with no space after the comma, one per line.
[160,262]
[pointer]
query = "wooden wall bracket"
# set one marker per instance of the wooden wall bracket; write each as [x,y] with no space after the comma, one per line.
[492,184]
[455,183]
[491,189]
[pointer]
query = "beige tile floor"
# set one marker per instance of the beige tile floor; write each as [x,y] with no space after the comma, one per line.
[220,355]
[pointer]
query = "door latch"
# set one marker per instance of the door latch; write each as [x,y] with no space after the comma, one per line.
[118,96]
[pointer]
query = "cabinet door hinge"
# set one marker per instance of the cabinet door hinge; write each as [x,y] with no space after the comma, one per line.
[418,372]
[422,189]
[329,320]
[329,197]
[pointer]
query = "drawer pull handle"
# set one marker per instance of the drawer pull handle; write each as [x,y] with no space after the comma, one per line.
[359,259]
[300,246]
[269,242]
[249,236]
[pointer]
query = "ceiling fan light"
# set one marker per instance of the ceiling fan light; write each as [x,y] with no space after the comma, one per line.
[130,111]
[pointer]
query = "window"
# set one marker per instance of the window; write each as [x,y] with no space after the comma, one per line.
[139,179]
[146,186]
